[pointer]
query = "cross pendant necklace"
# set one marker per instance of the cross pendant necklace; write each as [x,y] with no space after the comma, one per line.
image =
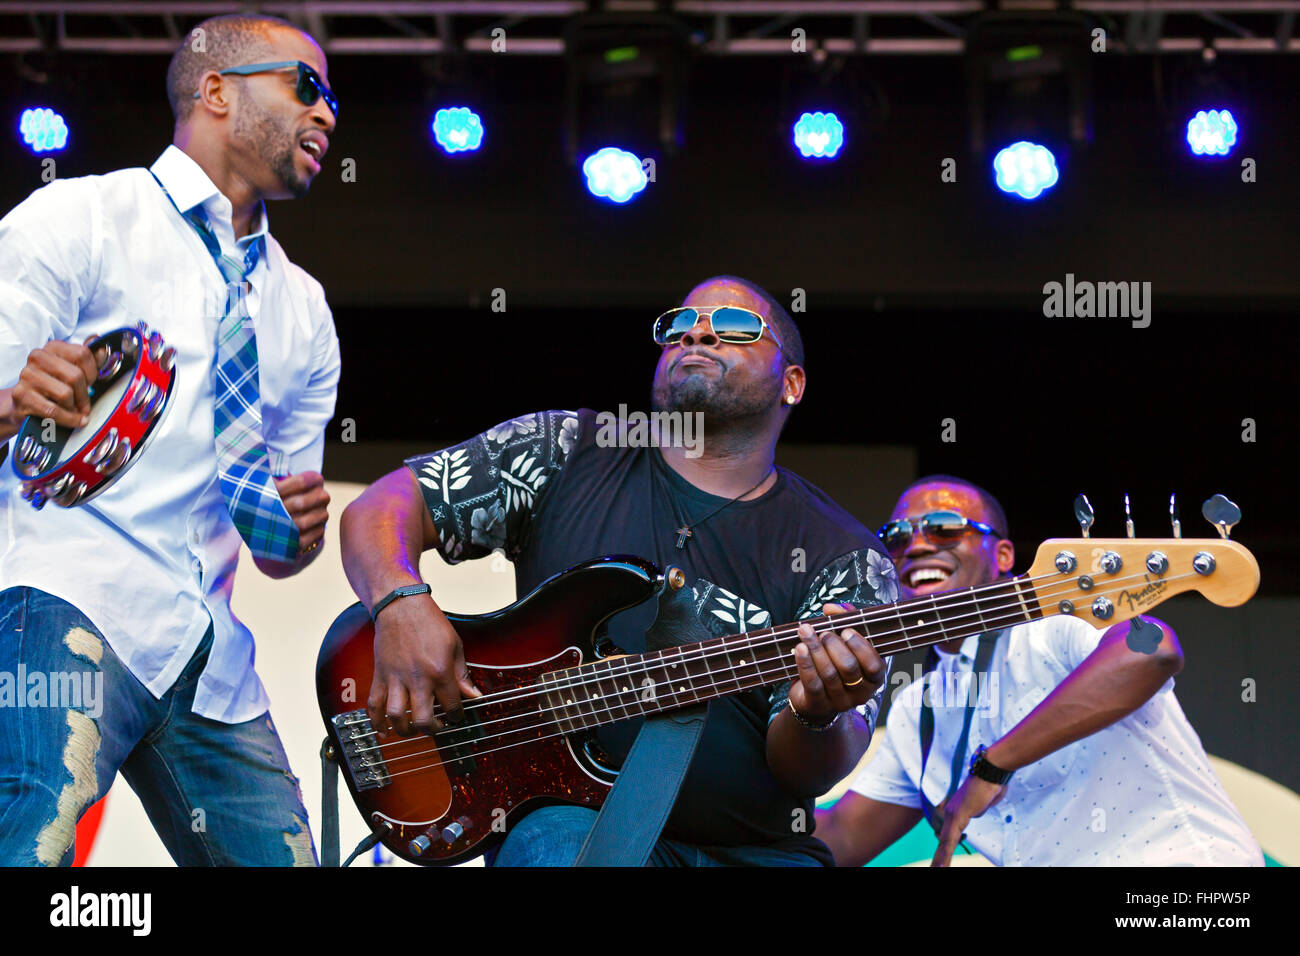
[685,532]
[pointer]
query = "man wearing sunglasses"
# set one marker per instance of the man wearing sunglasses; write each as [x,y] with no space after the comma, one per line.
[132,590]
[1050,743]
[760,547]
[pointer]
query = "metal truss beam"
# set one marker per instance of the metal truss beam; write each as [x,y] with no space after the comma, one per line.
[718,27]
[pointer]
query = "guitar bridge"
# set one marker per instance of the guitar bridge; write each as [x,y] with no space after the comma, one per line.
[359,746]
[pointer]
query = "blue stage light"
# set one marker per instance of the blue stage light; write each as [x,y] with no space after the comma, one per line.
[818,135]
[1212,133]
[43,130]
[457,129]
[1025,169]
[614,174]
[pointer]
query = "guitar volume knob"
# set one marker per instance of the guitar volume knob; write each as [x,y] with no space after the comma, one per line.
[452,833]
[420,845]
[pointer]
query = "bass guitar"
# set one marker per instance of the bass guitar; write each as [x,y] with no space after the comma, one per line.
[450,796]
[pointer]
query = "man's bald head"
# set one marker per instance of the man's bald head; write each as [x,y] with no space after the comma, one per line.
[217,44]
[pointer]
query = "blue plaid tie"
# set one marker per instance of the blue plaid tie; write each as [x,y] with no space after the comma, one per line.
[243,463]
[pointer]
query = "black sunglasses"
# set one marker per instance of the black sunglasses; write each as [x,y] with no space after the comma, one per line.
[310,86]
[942,529]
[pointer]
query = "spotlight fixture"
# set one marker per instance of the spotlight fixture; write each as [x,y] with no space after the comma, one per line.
[614,174]
[626,79]
[1025,169]
[1212,133]
[1029,76]
[457,129]
[818,135]
[43,130]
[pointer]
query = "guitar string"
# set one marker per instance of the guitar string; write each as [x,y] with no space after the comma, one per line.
[784,668]
[542,726]
[733,643]
[953,601]
[746,640]
[1010,614]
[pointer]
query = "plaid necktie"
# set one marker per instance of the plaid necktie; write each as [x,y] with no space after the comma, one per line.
[243,463]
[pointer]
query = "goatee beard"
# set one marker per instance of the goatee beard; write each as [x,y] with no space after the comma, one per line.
[731,418]
[287,173]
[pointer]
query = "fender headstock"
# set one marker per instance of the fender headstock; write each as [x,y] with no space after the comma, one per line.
[1107,580]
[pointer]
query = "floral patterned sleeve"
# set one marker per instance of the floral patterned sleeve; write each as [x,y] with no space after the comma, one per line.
[482,493]
[862,578]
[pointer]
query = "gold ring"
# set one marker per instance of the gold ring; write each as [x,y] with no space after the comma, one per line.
[855,683]
[305,551]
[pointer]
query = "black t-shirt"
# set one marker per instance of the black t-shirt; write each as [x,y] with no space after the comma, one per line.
[545,490]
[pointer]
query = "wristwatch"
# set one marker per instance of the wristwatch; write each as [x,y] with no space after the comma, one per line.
[980,767]
[396,593]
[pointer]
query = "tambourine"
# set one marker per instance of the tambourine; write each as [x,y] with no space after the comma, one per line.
[69,466]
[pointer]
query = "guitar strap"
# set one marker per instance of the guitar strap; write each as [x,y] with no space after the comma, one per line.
[983,656]
[329,807]
[634,813]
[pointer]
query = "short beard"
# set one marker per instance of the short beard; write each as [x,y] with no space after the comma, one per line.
[731,416]
[258,127]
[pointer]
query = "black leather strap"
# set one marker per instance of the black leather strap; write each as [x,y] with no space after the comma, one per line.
[637,808]
[983,656]
[404,591]
[329,806]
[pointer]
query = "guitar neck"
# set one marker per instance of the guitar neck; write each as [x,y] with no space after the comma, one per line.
[637,685]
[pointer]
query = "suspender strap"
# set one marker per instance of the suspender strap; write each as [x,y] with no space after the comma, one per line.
[637,808]
[983,657]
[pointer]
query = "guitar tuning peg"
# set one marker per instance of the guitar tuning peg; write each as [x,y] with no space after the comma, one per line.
[1173,516]
[1083,513]
[1128,517]
[1221,513]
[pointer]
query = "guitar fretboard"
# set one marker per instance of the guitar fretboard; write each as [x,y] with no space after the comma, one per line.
[619,688]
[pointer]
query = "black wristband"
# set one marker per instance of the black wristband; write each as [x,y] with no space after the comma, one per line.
[393,595]
[982,768]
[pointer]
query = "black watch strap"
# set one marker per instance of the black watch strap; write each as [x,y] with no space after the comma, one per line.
[980,767]
[404,591]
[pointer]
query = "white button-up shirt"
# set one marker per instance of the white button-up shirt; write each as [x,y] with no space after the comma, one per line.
[151,561]
[1138,793]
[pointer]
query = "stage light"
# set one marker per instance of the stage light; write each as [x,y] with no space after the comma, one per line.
[1025,169]
[626,83]
[43,130]
[1212,133]
[457,129]
[614,174]
[818,135]
[1029,77]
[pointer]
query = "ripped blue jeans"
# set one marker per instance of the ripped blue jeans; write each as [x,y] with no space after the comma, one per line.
[72,715]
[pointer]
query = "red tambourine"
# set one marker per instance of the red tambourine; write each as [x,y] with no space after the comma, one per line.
[69,466]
